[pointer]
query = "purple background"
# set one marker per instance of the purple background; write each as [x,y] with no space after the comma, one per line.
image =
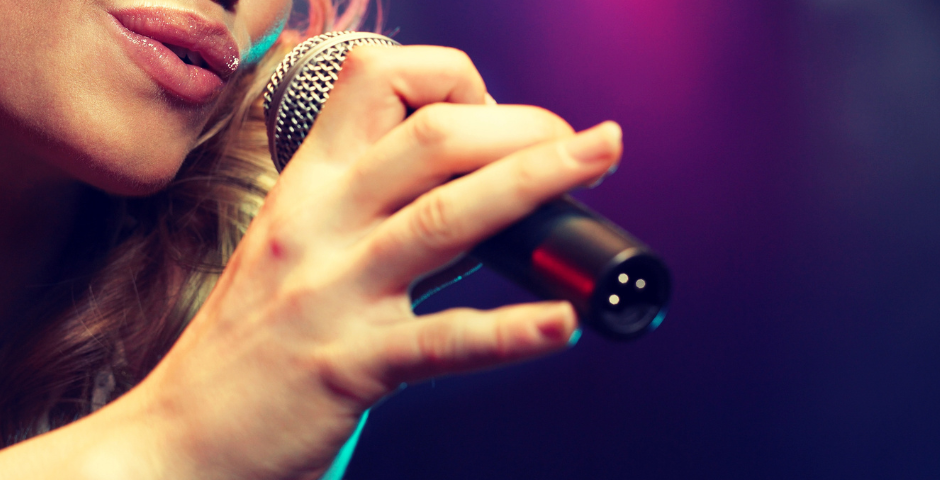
[782,156]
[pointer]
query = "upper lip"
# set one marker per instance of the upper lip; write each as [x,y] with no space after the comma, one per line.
[187,30]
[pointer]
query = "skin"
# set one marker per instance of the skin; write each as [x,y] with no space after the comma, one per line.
[64,121]
[310,323]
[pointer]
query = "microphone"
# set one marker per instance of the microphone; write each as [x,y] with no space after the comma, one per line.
[563,250]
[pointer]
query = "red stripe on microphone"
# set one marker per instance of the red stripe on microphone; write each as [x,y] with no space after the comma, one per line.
[544,261]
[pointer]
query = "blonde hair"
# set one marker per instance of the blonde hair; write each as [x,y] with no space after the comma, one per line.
[129,289]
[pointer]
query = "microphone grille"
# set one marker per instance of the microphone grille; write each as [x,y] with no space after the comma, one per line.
[301,84]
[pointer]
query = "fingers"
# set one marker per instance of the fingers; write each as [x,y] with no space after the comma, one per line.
[376,87]
[462,340]
[440,141]
[452,218]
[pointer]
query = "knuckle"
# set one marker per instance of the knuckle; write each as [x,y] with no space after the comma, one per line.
[431,125]
[432,221]
[329,368]
[466,69]
[454,61]
[459,55]
[461,61]
[528,178]
[382,247]
[293,305]
[359,179]
[511,337]
[457,65]
[502,346]
[434,344]
[362,59]
[549,124]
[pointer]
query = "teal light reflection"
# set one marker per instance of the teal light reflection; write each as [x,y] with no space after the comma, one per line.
[257,51]
[575,336]
[341,462]
[427,295]
[659,319]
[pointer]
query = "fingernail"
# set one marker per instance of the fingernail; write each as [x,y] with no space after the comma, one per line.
[554,322]
[596,144]
[610,171]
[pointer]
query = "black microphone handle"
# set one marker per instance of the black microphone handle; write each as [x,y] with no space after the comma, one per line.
[564,250]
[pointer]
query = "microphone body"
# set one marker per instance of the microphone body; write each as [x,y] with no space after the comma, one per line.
[563,250]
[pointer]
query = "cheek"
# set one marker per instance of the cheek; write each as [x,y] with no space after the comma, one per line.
[264,20]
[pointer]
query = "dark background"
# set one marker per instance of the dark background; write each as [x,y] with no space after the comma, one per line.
[782,156]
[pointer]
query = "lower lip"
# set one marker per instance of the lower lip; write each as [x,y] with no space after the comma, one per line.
[189,83]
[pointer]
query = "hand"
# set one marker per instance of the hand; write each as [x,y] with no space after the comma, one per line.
[310,323]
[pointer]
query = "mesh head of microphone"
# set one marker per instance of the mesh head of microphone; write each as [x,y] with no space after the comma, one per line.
[301,84]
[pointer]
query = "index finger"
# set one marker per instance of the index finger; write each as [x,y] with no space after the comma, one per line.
[375,89]
[450,219]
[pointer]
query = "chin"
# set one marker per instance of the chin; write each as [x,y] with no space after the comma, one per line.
[133,162]
[129,183]
[134,146]
[129,172]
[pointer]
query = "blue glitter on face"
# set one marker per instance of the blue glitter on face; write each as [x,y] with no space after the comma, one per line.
[257,51]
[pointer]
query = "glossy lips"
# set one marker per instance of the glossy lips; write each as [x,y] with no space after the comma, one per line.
[152,35]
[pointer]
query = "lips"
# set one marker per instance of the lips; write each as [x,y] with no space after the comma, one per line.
[186,54]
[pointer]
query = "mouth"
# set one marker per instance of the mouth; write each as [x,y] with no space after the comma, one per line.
[187,54]
[189,57]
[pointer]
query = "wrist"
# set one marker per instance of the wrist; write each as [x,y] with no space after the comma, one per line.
[124,442]
[106,445]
